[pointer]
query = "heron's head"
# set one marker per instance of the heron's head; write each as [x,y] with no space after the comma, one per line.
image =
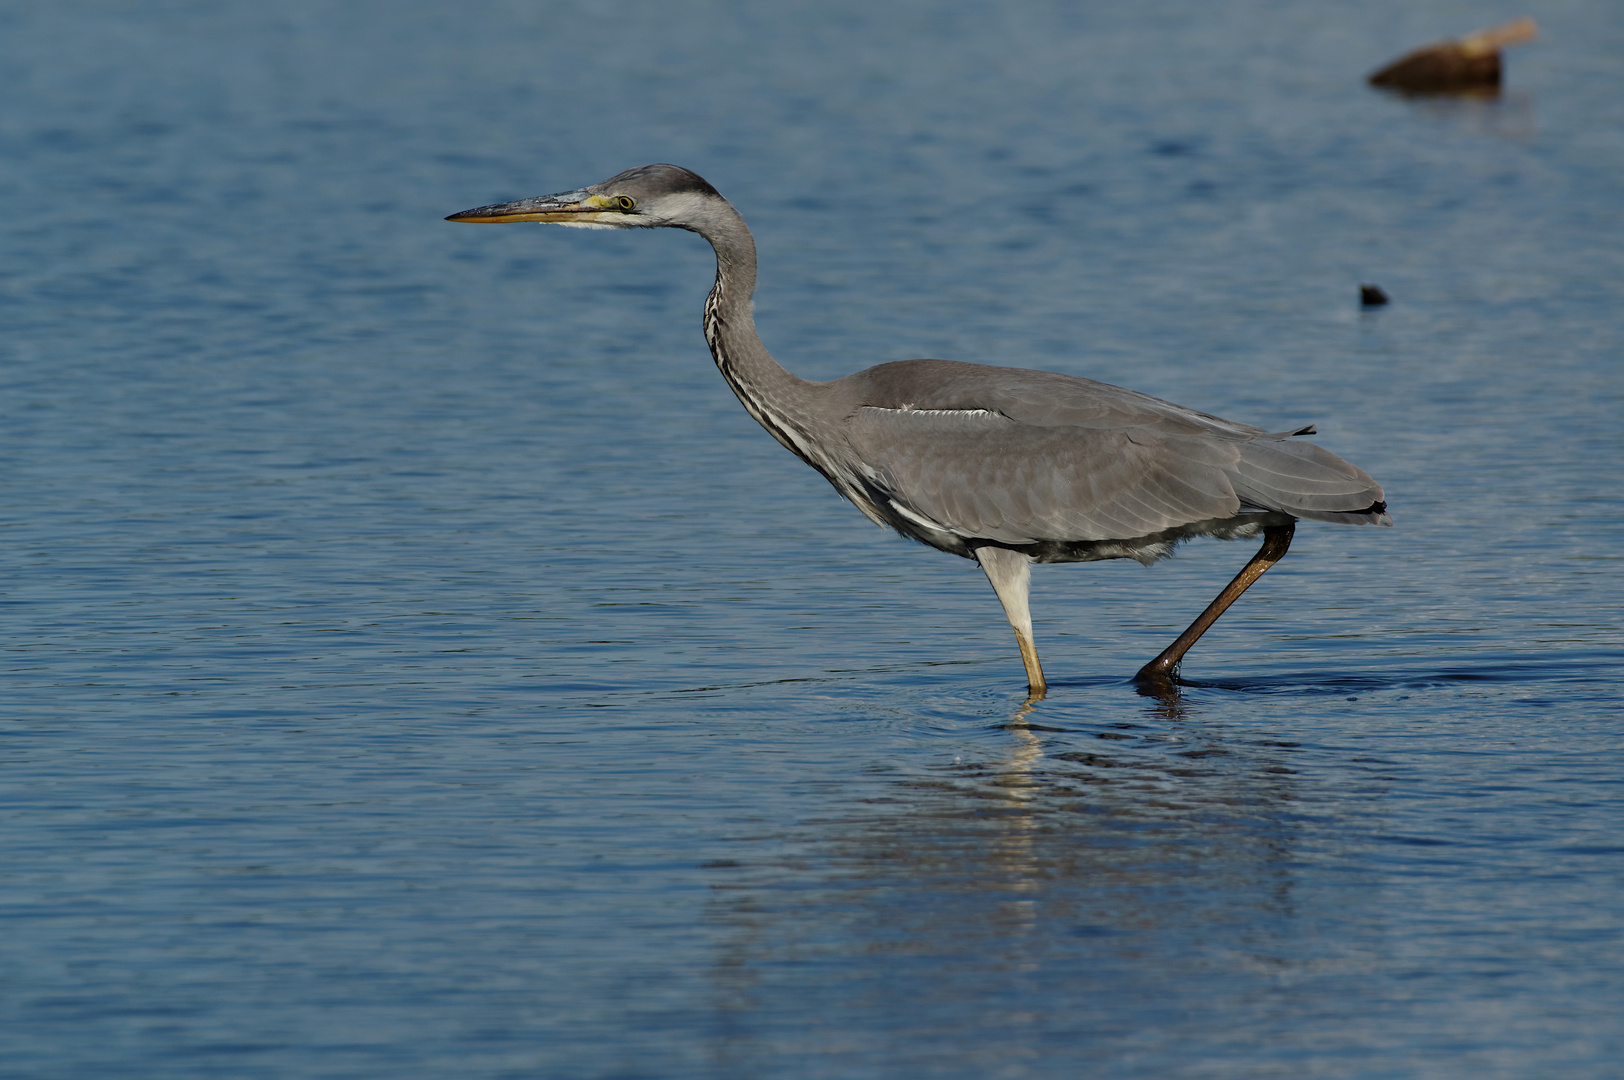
[647,197]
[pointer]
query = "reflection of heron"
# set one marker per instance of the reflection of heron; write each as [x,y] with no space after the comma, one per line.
[1001,465]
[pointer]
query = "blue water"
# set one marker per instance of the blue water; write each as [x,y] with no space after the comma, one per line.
[416,664]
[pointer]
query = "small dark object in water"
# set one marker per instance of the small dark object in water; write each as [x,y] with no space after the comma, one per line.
[1472,63]
[1371,296]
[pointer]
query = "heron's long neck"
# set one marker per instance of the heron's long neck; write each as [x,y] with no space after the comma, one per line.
[778,400]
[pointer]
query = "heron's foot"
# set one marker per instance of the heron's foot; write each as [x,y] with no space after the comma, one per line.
[1163,669]
[1158,679]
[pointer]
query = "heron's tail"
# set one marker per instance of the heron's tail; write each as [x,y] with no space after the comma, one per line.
[1306,481]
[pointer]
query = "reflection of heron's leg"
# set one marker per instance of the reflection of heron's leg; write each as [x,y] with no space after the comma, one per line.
[1028,747]
[1010,573]
[1276,539]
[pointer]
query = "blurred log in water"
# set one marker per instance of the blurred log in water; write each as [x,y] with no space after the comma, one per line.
[1470,64]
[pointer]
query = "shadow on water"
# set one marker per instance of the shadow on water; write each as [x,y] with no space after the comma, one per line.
[1180,698]
[1594,668]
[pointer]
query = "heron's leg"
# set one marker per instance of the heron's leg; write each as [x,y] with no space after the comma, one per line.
[1276,539]
[1011,573]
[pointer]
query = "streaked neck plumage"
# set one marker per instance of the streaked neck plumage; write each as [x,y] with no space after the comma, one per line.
[779,400]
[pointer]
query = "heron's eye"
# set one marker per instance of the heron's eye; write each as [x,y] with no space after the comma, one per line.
[625,202]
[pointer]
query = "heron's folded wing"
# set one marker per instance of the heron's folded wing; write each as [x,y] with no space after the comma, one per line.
[1307,481]
[980,474]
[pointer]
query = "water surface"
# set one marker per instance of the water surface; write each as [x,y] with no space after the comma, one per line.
[417,664]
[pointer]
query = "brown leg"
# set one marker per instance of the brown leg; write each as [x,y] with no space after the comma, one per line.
[1276,539]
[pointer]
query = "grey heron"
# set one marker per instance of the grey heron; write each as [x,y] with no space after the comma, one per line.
[1005,466]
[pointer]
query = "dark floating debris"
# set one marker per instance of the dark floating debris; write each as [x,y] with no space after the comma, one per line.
[1371,296]
[1469,65]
